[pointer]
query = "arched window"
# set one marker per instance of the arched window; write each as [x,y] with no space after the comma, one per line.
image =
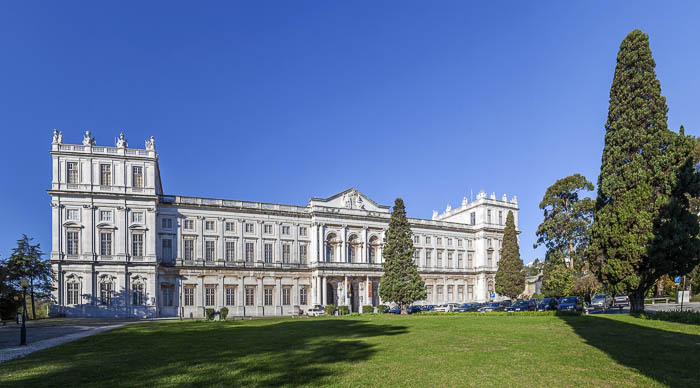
[331,242]
[138,291]
[106,290]
[353,246]
[373,249]
[73,290]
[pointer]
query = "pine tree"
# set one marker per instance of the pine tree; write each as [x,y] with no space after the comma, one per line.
[401,282]
[26,262]
[642,225]
[510,278]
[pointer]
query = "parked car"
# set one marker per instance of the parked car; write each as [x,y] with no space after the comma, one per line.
[315,311]
[493,306]
[414,309]
[522,305]
[462,308]
[570,303]
[506,303]
[427,307]
[601,301]
[395,310]
[473,307]
[548,304]
[445,308]
[621,301]
[536,301]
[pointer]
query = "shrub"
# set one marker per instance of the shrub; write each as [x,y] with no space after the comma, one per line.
[210,313]
[343,310]
[330,309]
[223,313]
[381,309]
[695,298]
[367,309]
[691,317]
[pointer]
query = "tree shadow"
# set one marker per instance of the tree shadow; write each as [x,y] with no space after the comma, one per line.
[669,357]
[180,354]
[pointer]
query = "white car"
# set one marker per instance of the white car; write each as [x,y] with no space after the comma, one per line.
[446,308]
[316,311]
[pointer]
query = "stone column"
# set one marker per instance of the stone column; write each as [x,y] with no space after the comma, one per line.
[343,245]
[368,301]
[279,295]
[223,292]
[241,242]
[241,293]
[345,291]
[261,296]
[295,291]
[324,291]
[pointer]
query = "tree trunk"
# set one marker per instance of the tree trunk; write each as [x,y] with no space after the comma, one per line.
[636,302]
[660,287]
[404,309]
[31,293]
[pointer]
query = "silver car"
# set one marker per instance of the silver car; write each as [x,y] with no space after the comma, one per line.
[602,301]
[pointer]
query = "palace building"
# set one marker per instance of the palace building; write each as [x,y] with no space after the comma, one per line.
[122,248]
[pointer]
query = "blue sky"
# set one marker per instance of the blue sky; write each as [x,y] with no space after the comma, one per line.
[282,101]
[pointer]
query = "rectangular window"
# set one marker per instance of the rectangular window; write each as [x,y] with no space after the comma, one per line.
[489,259]
[73,214]
[137,176]
[105,175]
[449,242]
[473,218]
[189,296]
[249,228]
[500,217]
[72,242]
[250,296]
[72,172]
[470,260]
[449,259]
[439,259]
[189,224]
[105,243]
[209,250]
[488,216]
[249,252]
[72,293]
[416,239]
[166,223]
[167,291]
[230,296]
[303,231]
[137,244]
[105,215]
[416,256]
[438,241]
[188,248]
[427,239]
[428,253]
[439,294]
[460,294]
[137,217]
[450,293]
[230,250]
[303,253]
[268,252]
[267,229]
[137,293]
[286,253]
[209,226]
[470,292]
[210,296]
[460,260]
[429,294]
[488,243]
[285,230]
[230,226]
[469,244]
[303,296]
[286,296]
[167,249]
[459,242]
[106,293]
[268,297]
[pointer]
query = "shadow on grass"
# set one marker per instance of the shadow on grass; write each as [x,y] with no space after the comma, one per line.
[257,354]
[669,357]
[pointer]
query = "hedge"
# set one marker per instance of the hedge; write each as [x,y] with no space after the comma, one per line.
[367,309]
[381,309]
[223,313]
[330,309]
[343,310]
[210,313]
[686,316]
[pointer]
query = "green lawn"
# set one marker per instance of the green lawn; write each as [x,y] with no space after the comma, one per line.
[388,351]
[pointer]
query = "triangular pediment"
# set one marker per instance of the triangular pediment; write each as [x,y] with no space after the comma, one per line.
[349,199]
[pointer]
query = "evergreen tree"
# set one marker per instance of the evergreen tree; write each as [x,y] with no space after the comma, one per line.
[643,227]
[510,278]
[558,280]
[401,282]
[26,262]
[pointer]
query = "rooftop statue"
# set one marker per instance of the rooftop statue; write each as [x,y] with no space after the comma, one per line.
[57,137]
[151,143]
[121,141]
[88,140]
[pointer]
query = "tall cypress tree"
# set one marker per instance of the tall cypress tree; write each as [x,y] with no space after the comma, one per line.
[642,225]
[510,278]
[401,282]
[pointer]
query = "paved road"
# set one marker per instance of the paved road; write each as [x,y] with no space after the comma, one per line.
[695,306]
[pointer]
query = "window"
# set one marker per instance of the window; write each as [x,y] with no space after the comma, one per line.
[439,294]
[449,242]
[469,244]
[488,216]
[105,215]
[473,218]
[460,260]
[189,224]
[72,242]
[188,248]
[72,172]
[470,292]
[267,229]
[286,253]
[427,239]
[438,241]
[460,294]
[137,217]
[209,226]
[189,296]
[268,252]
[250,296]
[230,296]
[439,259]
[303,253]
[303,231]
[137,293]
[72,293]
[73,214]
[105,243]
[303,296]
[105,175]
[428,253]
[286,296]
[230,250]
[210,296]
[500,217]
[268,297]
[167,249]
[470,260]
[488,243]
[249,252]
[450,293]
[137,244]
[489,259]
[285,230]
[429,294]
[230,226]
[249,228]
[166,223]
[209,250]
[449,259]
[106,293]
[167,291]
[416,256]
[459,242]
[137,176]
[416,239]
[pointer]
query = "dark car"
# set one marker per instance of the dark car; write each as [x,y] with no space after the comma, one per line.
[395,310]
[414,309]
[570,303]
[548,304]
[522,305]
[506,303]
[476,306]
[462,308]
[493,306]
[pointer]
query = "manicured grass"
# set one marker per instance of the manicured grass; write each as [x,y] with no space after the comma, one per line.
[375,350]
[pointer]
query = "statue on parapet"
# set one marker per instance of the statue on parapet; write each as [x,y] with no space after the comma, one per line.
[88,140]
[57,137]
[151,144]
[121,141]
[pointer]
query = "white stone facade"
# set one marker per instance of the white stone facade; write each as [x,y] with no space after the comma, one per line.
[121,248]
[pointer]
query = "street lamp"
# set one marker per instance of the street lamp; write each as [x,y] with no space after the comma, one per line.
[23,334]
